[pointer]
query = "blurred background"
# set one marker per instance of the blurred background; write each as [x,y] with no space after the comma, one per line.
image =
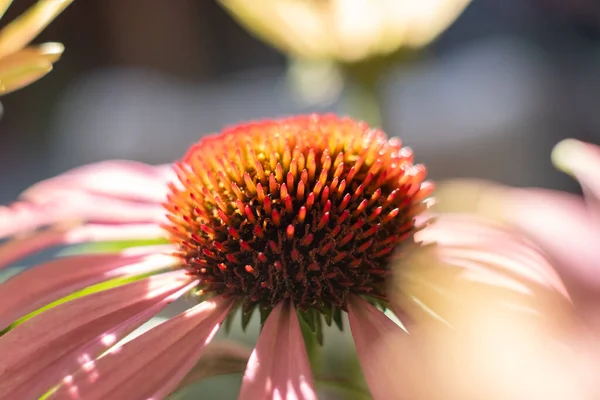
[142,79]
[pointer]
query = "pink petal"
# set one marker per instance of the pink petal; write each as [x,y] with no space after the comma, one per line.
[466,241]
[151,365]
[25,245]
[38,286]
[109,232]
[46,348]
[562,226]
[119,179]
[75,206]
[372,332]
[278,367]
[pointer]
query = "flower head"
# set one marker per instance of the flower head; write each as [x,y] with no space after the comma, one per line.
[21,65]
[311,215]
[346,30]
[298,217]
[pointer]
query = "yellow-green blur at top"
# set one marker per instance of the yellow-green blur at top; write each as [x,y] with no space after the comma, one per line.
[345,30]
[21,64]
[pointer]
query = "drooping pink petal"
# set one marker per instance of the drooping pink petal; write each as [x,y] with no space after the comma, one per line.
[151,365]
[562,226]
[116,178]
[467,241]
[24,245]
[38,353]
[21,247]
[48,282]
[111,232]
[372,331]
[278,368]
[111,191]
[74,206]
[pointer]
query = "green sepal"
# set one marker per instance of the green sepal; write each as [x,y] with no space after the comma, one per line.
[337,318]
[311,341]
[312,319]
[231,316]
[247,311]
[264,314]
[328,315]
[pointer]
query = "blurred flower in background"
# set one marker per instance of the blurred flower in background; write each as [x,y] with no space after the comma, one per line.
[334,44]
[20,63]
[347,31]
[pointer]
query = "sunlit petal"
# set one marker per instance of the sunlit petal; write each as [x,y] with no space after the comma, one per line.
[485,244]
[73,207]
[27,26]
[48,347]
[278,368]
[24,245]
[48,282]
[371,329]
[117,178]
[153,364]
[562,226]
[4,4]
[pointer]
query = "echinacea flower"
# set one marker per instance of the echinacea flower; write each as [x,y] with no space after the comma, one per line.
[345,30]
[300,218]
[20,63]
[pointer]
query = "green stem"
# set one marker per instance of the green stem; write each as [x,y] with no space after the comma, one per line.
[362,101]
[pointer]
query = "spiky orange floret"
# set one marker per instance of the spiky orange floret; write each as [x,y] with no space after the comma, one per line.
[307,208]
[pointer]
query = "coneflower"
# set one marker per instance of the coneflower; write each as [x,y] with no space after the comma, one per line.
[299,218]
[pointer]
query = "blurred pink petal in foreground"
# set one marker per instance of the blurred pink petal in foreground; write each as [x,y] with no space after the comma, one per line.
[566,226]
[508,335]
